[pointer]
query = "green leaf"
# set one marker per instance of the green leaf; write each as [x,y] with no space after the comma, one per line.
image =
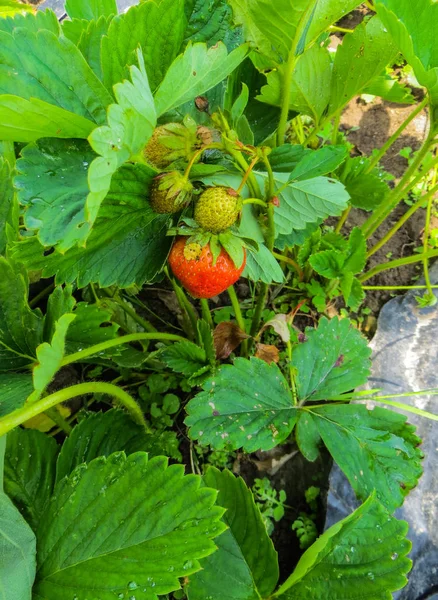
[131,123]
[261,265]
[413,30]
[274,28]
[54,71]
[285,158]
[334,359]
[52,184]
[352,291]
[90,9]
[34,21]
[92,325]
[207,22]
[74,29]
[319,162]
[12,8]
[154,524]
[128,243]
[367,189]
[195,72]
[375,449]
[326,13]
[245,566]
[184,357]
[356,255]
[50,357]
[310,85]
[362,56]
[60,302]
[245,405]
[155,27]
[30,471]
[328,263]
[308,201]
[6,202]
[21,328]
[101,434]
[90,44]
[362,556]
[390,89]
[17,549]
[298,237]
[27,120]
[14,389]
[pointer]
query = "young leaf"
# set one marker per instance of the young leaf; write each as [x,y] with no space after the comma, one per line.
[328,263]
[21,328]
[304,202]
[131,123]
[49,357]
[195,72]
[375,449]
[90,9]
[362,56]
[245,405]
[33,21]
[334,359]
[285,158]
[154,524]
[52,183]
[14,389]
[261,265]
[356,254]
[310,85]
[102,434]
[92,325]
[156,27]
[6,201]
[184,357]
[30,471]
[367,189]
[17,549]
[362,556]
[390,89]
[319,162]
[128,243]
[209,23]
[27,120]
[54,71]
[245,566]
[413,29]
[90,44]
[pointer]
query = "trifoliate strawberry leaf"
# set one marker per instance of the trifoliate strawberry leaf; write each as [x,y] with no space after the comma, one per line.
[130,125]
[362,556]
[413,30]
[52,184]
[21,329]
[49,357]
[328,263]
[308,201]
[101,434]
[128,243]
[17,549]
[154,523]
[245,566]
[362,56]
[184,357]
[261,265]
[14,389]
[195,72]
[90,44]
[375,449]
[90,9]
[54,72]
[29,476]
[155,27]
[245,405]
[208,23]
[333,359]
[6,202]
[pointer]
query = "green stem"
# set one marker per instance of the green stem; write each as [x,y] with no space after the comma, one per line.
[239,317]
[147,326]
[397,287]
[293,386]
[59,420]
[45,292]
[124,339]
[400,262]
[408,214]
[291,262]
[406,407]
[255,201]
[340,29]
[206,313]
[387,145]
[189,317]
[426,237]
[336,124]
[247,174]
[33,409]
[342,219]
[393,199]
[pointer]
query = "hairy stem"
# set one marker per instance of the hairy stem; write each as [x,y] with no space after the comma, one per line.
[59,420]
[239,317]
[28,411]
[206,313]
[400,262]
[291,262]
[397,287]
[342,219]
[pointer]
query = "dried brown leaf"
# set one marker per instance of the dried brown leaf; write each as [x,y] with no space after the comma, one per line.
[227,336]
[268,353]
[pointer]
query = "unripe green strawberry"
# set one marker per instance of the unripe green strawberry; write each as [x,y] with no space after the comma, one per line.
[169,192]
[217,209]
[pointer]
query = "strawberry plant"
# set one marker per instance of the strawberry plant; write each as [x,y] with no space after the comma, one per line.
[154,158]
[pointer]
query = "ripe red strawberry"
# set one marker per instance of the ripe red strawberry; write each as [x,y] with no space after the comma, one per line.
[193,266]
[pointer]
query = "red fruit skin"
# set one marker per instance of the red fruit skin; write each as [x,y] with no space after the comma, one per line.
[200,278]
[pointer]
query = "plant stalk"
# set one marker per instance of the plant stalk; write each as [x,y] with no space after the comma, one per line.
[239,317]
[28,411]
[206,313]
[400,262]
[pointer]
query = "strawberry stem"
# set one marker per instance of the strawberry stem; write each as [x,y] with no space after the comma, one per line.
[255,201]
[247,174]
